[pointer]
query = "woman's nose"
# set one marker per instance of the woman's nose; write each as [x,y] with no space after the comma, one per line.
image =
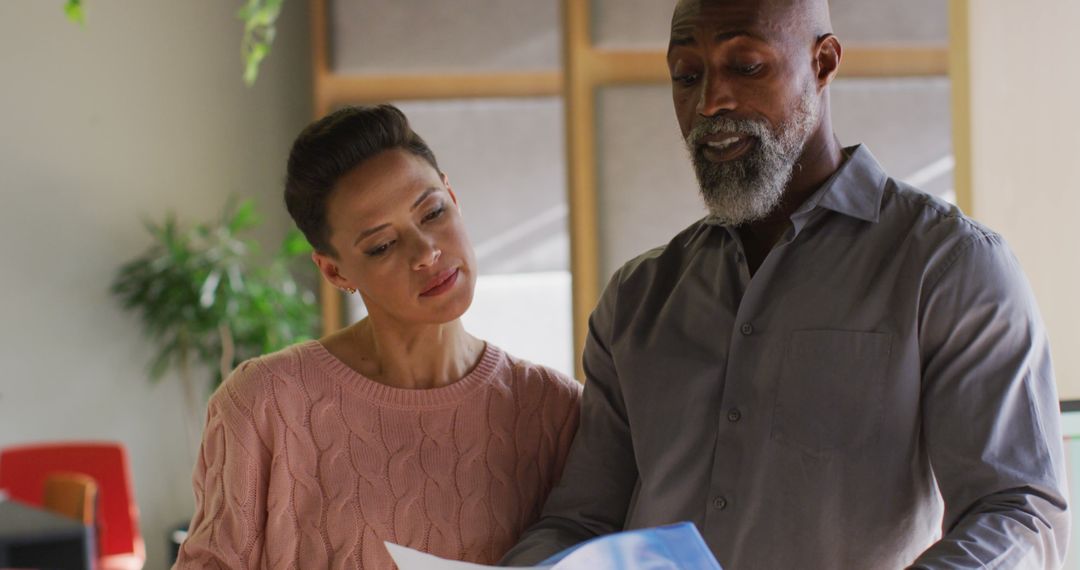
[427,253]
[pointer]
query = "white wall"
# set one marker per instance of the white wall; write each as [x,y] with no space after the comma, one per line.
[1025,81]
[140,112]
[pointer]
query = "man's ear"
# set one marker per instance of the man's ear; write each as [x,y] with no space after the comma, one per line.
[827,55]
[329,269]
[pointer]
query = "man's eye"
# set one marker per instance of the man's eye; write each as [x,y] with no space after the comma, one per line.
[379,249]
[434,214]
[685,79]
[750,69]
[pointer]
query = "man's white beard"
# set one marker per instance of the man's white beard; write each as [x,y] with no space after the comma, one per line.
[750,188]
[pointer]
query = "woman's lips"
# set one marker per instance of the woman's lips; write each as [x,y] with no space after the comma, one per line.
[442,283]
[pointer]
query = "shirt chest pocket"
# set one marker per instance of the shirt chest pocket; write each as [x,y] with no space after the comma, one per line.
[829,394]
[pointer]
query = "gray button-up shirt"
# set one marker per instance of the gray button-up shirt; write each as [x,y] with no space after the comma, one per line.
[879,394]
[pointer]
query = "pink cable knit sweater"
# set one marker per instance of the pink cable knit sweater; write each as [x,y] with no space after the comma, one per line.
[307,464]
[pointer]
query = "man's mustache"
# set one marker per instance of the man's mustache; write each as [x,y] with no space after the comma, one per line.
[715,125]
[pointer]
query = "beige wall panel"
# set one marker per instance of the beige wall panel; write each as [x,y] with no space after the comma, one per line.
[506,161]
[1025,149]
[408,36]
[647,189]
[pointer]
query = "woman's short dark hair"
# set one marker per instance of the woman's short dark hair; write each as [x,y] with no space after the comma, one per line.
[332,146]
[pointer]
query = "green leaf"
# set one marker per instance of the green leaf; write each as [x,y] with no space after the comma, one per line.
[245,217]
[260,18]
[208,290]
[74,12]
[295,244]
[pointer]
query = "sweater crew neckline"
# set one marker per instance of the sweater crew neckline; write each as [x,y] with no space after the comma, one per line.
[383,394]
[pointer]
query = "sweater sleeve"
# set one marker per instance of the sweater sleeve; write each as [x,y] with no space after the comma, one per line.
[569,425]
[230,483]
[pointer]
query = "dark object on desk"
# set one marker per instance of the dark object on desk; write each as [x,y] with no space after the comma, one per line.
[23,471]
[35,538]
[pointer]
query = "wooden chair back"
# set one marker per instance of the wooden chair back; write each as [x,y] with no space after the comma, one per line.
[73,495]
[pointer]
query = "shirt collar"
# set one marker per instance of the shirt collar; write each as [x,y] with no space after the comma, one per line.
[855,189]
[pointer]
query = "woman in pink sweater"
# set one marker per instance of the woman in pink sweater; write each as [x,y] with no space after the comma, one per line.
[402,427]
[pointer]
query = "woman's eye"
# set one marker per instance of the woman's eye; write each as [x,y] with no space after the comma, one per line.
[434,213]
[379,249]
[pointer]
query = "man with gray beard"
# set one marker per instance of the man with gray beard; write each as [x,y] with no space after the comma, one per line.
[750,188]
[831,370]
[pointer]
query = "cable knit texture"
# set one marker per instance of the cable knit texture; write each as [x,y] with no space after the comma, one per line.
[307,464]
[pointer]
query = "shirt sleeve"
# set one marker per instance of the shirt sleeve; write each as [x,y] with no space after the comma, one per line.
[990,415]
[230,483]
[598,480]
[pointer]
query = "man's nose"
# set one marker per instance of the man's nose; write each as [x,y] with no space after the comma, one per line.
[717,96]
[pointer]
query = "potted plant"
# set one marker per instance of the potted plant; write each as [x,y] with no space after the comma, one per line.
[208,300]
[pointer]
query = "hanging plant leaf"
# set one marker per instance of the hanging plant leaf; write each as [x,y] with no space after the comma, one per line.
[74,12]
[260,19]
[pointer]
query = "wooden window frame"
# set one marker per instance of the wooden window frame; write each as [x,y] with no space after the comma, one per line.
[587,68]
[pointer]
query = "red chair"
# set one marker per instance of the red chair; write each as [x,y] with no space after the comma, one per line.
[23,471]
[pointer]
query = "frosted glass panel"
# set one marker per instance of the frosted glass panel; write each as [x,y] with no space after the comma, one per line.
[645,24]
[647,190]
[906,123]
[632,24]
[528,315]
[890,21]
[406,36]
[505,161]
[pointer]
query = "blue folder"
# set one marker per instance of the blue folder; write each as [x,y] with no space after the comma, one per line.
[673,547]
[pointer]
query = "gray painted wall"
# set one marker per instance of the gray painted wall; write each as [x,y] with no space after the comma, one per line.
[140,112]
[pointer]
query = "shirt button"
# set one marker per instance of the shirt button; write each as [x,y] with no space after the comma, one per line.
[734,415]
[747,329]
[719,503]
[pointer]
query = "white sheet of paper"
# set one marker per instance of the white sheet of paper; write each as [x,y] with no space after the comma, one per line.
[409,559]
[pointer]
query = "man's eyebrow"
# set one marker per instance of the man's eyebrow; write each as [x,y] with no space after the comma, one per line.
[678,39]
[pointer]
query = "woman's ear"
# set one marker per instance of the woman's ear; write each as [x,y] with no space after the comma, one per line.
[450,189]
[329,270]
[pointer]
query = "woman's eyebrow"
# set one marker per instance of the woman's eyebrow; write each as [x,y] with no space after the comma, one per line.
[375,229]
[422,196]
[368,232]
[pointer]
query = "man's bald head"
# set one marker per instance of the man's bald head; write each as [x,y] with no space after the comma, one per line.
[794,19]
